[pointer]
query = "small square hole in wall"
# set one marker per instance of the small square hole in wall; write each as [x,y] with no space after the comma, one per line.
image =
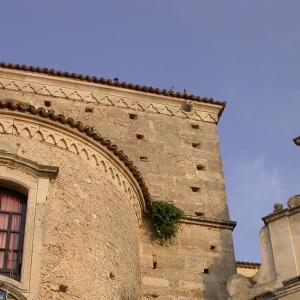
[213,248]
[200,167]
[89,109]
[199,213]
[139,136]
[196,145]
[112,275]
[133,116]
[206,271]
[154,262]
[144,158]
[47,103]
[154,265]
[62,288]
[195,126]
[195,189]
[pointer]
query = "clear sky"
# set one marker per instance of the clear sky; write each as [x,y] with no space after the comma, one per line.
[243,51]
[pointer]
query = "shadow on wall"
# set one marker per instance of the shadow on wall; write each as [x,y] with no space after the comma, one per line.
[221,267]
[197,264]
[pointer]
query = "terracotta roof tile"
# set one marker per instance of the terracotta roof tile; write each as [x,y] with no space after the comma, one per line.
[247,264]
[116,83]
[87,130]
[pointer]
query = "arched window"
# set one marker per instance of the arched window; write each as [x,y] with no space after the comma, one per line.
[12,224]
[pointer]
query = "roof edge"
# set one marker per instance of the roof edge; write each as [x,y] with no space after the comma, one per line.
[247,264]
[115,83]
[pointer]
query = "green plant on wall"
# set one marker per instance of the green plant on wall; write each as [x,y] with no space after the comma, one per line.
[164,217]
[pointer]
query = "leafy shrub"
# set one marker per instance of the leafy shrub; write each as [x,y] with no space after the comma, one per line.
[164,217]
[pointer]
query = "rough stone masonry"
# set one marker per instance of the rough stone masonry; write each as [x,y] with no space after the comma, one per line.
[87,234]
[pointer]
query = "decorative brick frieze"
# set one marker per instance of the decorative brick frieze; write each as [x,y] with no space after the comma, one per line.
[90,94]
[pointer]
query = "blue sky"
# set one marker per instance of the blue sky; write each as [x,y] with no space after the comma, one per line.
[242,51]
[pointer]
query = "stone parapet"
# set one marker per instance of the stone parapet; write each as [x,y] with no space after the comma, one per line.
[278,275]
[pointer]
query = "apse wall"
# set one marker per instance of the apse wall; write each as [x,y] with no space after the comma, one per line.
[88,245]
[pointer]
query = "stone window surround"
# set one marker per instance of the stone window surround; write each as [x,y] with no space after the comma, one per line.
[32,180]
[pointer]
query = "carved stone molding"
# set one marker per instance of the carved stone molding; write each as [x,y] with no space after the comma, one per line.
[12,288]
[60,136]
[27,165]
[117,100]
[209,222]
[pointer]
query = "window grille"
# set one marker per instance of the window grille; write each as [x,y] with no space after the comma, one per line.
[12,224]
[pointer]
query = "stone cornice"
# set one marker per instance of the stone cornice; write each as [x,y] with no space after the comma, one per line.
[99,94]
[210,222]
[290,287]
[109,82]
[280,214]
[247,265]
[27,165]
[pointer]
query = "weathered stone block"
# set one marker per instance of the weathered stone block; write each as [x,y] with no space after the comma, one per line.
[160,282]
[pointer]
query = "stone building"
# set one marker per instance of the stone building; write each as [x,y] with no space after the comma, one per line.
[247,269]
[81,158]
[278,275]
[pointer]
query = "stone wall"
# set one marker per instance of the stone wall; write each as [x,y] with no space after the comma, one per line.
[90,246]
[246,271]
[177,153]
[91,237]
[166,146]
[196,265]
[278,276]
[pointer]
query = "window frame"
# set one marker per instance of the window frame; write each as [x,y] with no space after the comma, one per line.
[32,180]
[5,271]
